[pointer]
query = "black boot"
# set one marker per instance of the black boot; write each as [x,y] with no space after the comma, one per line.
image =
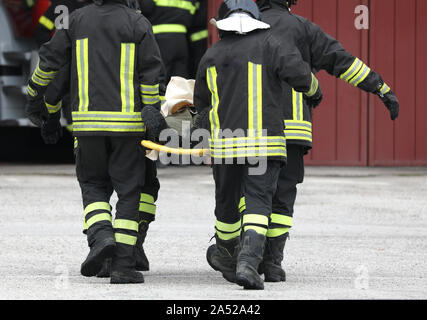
[222,257]
[105,270]
[122,277]
[99,251]
[249,259]
[273,256]
[142,263]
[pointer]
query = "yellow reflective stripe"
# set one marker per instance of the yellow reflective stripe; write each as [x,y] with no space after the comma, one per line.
[211,77]
[97,206]
[148,198]
[200,35]
[76,142]
[259,230]
[228,236]
[150,89]
[126,224]
[40,81]
[255,219]
[248,154]
[242,204]
[314,86]
[53,108]
[147,208]
[357,64]
[227,227]
[47,23]
[277,232]
[97,218]
[31,92]
[169,28]
[360,76]
[83,73]
[109,126]
[180,4]
[127,65]
[150,99]
[125,239]
[385,89]
[298,135]
[107,116]
[298,125]
[281,219]
[44,74]
[298,107]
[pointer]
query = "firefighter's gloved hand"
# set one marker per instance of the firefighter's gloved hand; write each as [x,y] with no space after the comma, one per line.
[315,99]
[154,123]
[52,129]
[202,120]
[392,104]
[36,111]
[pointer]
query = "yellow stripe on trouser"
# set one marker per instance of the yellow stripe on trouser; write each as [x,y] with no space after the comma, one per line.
[105,206]
[211,76]
[256,222]
[276,232]
[127,77]
[83,73]
[125,239]
[125,224]
[226,231]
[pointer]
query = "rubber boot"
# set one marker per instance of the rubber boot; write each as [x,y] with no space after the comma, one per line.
[273,256]
[100,250]
[142,263]
[222,257]
[123,266]
[249,259]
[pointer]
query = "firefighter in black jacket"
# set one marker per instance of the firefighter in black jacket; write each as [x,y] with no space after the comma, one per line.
[115,68]
[171,20]
[198,36]
[322,52]
[238,86]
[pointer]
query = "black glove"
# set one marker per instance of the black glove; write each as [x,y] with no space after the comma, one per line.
[315,99]
[52,129]
[154,123]
[202,120]
[390,101]
[36,111]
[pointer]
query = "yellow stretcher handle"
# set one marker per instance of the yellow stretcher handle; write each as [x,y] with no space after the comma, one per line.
[192,152]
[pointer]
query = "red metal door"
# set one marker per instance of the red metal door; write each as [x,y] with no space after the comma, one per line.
[398,46]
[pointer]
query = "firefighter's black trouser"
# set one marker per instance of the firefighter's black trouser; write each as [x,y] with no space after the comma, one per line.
[231,181]
[175,54]
[284,198]
[103,165]
[149,193]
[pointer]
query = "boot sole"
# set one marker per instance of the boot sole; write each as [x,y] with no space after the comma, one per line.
[125,280]
[91,268]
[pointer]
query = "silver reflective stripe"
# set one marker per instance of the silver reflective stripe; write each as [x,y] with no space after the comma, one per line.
[305,135]
[298,124]
[149,89]
[127,55]
[362,74]
[255,98]
[106,126]
[299,105]
[351,73]
[150,100]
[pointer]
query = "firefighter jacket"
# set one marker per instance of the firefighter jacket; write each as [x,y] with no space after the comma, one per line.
[114,64]
[322,52]
[239,80]
[46,25]
[198,36]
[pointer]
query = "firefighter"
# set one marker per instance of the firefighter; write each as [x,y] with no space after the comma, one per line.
[238,87]
[322,52]
[115,70]
[171,20]
[198,36]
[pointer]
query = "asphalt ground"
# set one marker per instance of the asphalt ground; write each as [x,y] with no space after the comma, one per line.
[359,233]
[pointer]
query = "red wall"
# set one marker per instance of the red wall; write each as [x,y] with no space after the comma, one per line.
[350,127]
